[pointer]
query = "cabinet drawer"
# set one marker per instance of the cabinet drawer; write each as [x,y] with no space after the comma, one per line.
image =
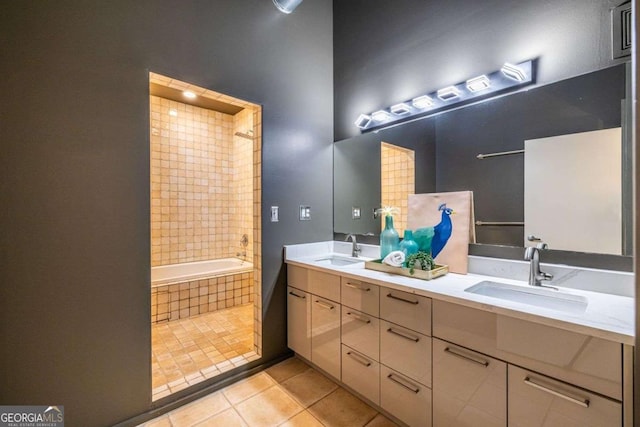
[360,295]
[299,322]
[361,373]
[361,332]
[406,351]
[325,335]
[469,388]
[404,398]
[575,358]
[298,277]
[325,285]
[536,400]
[405,309]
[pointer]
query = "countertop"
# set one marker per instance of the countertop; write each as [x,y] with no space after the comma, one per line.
[607,316]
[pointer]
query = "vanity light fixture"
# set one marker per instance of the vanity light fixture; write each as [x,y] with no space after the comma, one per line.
[400,109]
[513,72]
[363,121]
[380,116]
[479,83]
[448,93]
[286,6]
[188,94]
[422,102]
[508,77]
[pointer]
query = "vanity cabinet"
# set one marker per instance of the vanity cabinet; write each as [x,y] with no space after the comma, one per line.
[325,335]
[299,321]
[469,388]
[361,373]
[405,398]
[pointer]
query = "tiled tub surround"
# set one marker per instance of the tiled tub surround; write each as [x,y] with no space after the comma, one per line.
[181,300]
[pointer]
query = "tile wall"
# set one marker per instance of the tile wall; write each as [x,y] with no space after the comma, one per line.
[397,181]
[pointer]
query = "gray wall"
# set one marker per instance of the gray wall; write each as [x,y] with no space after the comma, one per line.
[74,185]
[390,51]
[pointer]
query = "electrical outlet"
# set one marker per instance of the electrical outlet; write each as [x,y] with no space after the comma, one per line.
[274,214]
[305,213]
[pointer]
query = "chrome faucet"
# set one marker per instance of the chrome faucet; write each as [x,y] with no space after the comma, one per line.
[532,253]
[355,248]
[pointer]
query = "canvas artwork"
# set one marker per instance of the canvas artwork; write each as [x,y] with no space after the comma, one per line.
[452,218]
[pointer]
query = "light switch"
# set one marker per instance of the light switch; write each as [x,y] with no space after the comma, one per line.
[274,214]
[355,212]
[305,213]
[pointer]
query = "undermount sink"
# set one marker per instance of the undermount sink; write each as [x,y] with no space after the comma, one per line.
[545,298]
[338,261]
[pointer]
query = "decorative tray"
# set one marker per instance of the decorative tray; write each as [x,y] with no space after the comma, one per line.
[439,270]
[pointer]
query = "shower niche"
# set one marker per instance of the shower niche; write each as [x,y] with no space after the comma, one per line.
[205,233]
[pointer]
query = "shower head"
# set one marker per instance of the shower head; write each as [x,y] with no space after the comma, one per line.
[244,135]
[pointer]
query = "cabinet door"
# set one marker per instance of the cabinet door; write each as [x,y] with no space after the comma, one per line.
[298,277]
[406,351]
[324,284]
[404,398]
[405,309]
[361,332]
[361,373]
[360,295]
[536,400]
[299,322]
[325,335]
[469,388]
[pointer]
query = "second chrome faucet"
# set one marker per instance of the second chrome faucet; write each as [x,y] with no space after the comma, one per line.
[532,253]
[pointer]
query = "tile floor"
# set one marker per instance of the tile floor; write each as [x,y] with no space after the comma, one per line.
[289,394]
[187,351]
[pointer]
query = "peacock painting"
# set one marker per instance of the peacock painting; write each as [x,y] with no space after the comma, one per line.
[435,238]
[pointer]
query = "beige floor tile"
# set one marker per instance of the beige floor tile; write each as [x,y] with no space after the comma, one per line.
[269,408]
[303,419]
[227,418]
[309,387]
[248,387]
[381,421]
[342,409]
[287,369]
[199,410]
[162,421]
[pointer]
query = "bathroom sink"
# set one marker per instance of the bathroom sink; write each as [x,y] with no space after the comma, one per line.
[539,297]
[338,261]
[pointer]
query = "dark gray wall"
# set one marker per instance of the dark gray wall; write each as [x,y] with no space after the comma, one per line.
[390,51]
[74,190]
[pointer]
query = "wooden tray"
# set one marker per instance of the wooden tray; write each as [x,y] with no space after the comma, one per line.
[439,270]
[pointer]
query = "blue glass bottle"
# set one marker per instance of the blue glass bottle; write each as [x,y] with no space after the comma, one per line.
[389,238]
[408,245]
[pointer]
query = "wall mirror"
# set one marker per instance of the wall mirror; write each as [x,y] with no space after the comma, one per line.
[447,146]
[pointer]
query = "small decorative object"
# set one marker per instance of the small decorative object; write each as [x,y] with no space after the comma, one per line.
[395,259]
[421,260]
[389,238]
[408,246]
[423,237]
[418,273]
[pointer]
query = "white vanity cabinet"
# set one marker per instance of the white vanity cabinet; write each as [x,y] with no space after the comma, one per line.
[469,388]
[299,321]
[325,335]
[405,398]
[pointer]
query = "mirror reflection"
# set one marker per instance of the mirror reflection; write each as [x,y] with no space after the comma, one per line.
[446,149]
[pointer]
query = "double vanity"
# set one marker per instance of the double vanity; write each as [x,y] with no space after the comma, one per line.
[482,349]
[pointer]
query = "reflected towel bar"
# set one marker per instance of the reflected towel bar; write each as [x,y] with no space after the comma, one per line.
[505,223]
[502,153]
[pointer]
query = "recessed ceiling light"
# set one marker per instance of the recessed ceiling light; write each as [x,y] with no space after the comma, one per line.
[422,102]
[400,109]
[189,94]
[513,72]
[448,93]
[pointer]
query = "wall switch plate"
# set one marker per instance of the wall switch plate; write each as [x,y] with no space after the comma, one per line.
[274,214]
[305,213]
[356,212]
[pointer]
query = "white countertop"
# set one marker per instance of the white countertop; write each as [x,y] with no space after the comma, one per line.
[607,316]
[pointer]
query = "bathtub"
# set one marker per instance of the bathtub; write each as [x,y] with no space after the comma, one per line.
[177,273]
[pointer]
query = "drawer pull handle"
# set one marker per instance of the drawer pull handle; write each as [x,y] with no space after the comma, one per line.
[479,361]
[414,389]
[402,299]
[360,318]
[358,287]
[404,335]
[296,295]
[325,305]
[582,402]
[361,360]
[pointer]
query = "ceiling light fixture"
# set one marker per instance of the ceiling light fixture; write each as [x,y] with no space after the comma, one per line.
[509,77]
[188,94]
[173,112]
[286,6]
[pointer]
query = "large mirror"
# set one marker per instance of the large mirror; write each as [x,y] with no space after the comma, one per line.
[447,146]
